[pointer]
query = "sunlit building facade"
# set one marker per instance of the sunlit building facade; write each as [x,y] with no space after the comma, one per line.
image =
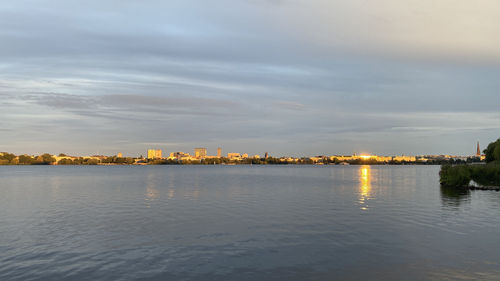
[233,155]
[200,152]
[154,153]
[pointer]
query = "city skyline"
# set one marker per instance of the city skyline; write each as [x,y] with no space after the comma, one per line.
[289,77]
[203,152]
[161,152]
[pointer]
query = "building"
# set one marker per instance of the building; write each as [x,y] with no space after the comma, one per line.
[154,153]
[200,152]
[404,158]
[233,155]
[219,152]
[119,155]
[266,155]
[478,150]
[179,155]
[245,155]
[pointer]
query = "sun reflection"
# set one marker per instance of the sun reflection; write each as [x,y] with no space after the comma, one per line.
[171,193]
[151,192]
[364,186]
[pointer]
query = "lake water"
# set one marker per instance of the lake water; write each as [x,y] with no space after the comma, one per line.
[243,223]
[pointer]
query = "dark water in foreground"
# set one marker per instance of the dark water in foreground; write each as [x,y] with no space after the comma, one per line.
[244,223]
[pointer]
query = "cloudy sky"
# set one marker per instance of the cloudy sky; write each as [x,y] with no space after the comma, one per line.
[292,77]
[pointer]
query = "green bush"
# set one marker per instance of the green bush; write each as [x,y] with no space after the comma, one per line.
[461,175]
[455,175]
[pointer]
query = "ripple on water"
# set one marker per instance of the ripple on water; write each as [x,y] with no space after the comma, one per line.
[243,223]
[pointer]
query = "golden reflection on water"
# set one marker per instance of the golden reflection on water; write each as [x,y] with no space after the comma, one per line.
[365,186]
[171,193]
[151,192]
[55,184]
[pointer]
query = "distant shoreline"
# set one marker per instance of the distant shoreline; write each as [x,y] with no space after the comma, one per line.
[243,164]
[186,159]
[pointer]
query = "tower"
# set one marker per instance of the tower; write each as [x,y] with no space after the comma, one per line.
[478,152]
[219,152]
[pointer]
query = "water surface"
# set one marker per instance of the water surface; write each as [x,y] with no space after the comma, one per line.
[243,223]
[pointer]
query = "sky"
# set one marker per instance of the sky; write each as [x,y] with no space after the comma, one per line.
[288,77]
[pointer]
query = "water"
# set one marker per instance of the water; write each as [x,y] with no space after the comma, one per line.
[243,223]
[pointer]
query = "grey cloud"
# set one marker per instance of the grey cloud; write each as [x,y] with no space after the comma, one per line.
[62,101]
[134,107]
[138,100]
[289,105]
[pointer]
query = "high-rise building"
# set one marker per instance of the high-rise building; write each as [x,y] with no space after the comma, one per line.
[478,152]
[154,153]
[219,152]
[200,152]
[151,153]
[266,155]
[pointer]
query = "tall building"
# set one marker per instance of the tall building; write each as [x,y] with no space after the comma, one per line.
[478,152]
[154,153]
[200,152]
[219,152]
[151,153]
[266,155]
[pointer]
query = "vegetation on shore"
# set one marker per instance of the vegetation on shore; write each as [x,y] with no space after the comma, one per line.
[11,159]
[47,159]
[487,175]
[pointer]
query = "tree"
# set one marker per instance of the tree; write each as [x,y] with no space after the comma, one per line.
[496,153]
[26,160]
[7,156]
[493,151]
[91,161]
[48,159]
[65,161]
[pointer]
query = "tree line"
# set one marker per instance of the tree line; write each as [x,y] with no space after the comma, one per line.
[47,159]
